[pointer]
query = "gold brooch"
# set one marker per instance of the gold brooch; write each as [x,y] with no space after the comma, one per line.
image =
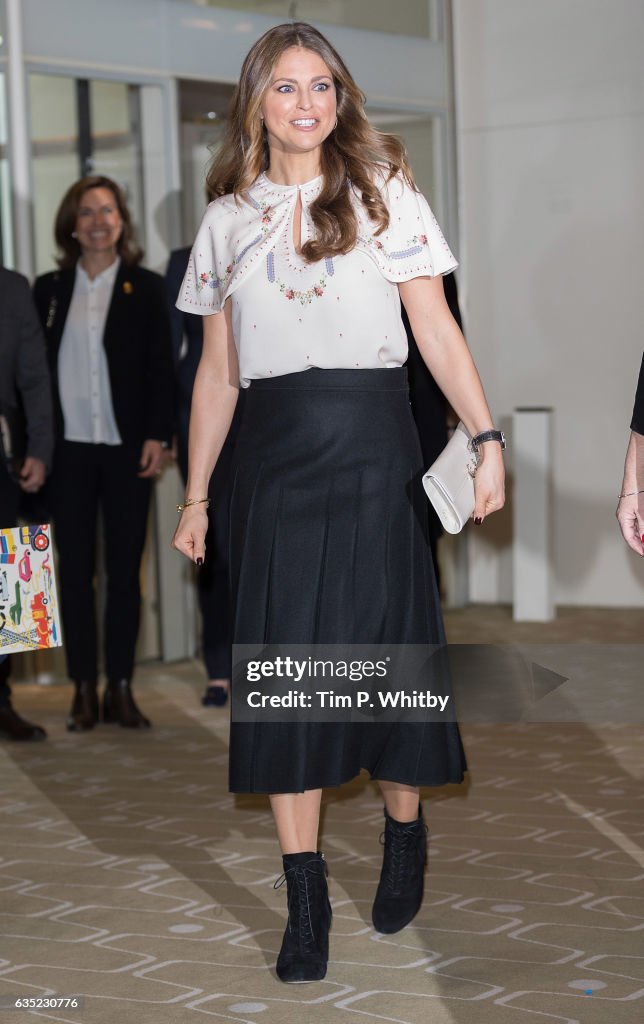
[127,287]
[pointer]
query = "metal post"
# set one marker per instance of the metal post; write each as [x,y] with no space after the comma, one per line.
[160,188]
[83,117]
[533,590]
[19,145]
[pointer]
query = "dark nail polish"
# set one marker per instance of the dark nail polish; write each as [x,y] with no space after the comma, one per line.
[200,561]
[478,521]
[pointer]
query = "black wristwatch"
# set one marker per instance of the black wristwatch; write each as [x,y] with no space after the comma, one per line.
[489,435]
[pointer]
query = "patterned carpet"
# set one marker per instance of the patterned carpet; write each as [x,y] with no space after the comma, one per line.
[130,877]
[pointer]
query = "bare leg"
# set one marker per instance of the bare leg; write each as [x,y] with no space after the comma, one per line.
[297,818]
[401,801]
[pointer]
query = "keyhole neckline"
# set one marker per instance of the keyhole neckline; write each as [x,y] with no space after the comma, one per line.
[290,188]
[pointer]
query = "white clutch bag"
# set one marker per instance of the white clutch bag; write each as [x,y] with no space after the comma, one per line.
[449,481]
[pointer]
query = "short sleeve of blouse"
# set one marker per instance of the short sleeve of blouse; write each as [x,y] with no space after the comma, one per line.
[202,288]
[413,244]
[207,276]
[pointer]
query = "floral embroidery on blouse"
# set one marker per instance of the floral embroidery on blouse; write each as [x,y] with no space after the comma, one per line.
[266,211]
[303,296]
[209,279]
[414,246]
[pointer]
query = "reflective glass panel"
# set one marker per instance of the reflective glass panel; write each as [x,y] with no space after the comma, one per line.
[116,135]
[54,148]
[6,233]
[418,132]
[404,17]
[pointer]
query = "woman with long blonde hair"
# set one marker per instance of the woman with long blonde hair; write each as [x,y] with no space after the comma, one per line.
[315,234]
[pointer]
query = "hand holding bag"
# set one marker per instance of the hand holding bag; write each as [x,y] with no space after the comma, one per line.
[13,440]
[449,481]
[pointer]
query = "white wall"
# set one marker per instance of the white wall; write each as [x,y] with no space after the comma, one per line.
[550,121]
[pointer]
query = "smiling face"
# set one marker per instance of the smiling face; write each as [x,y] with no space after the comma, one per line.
[98,221]
[299,106]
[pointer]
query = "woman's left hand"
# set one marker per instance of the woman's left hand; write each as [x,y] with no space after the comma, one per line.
[489,483]
[151,462]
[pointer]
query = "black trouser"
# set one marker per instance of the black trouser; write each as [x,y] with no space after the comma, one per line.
[213,585]
[87,478]
[9,502]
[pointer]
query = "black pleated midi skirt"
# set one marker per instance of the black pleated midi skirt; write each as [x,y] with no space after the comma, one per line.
[329,545]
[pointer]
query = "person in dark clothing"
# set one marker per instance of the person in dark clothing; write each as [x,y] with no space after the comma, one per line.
[430,408]
[25,395]
[630,508]
[213,588]
[108,339]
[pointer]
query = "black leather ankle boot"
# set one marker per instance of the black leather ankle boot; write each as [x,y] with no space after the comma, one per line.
[400,891]
[83,714]
[119,706]
[305,946]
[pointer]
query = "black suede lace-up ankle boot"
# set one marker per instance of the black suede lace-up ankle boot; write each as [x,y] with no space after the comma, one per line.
[400,890]
[305,946]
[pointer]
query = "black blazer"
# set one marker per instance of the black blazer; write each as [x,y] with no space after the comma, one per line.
[637,422]
[137,344]
[183,324]
[190,326]
[24,379]
[427,400]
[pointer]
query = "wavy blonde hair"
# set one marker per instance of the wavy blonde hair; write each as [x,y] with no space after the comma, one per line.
[354,155]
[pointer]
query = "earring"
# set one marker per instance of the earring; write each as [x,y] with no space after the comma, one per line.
[74,234]
[336,124]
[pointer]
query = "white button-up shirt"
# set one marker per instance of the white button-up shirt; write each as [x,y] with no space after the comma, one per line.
[83,376]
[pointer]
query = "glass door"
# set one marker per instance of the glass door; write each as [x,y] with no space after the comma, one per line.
[6,234]
[81,127]
[203,111]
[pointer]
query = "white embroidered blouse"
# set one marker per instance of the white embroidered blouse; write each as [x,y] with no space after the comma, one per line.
[289,315]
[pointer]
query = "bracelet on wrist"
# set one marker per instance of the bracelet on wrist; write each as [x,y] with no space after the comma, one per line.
[629,494]
[488,435]
[193,501]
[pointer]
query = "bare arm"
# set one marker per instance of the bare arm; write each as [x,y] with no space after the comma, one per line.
[214,398]
[630,509]
[446,355]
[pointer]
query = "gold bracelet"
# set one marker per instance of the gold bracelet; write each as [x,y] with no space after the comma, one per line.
[629,494]
[193,501]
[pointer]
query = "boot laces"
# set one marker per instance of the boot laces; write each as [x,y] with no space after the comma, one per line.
[300,877]
[400,845]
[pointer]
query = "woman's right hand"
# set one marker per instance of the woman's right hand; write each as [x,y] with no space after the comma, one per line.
[190,535]
[630,515]
[630,508]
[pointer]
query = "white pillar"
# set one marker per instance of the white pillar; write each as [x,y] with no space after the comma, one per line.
[161,183]
[19,145]
[532,575]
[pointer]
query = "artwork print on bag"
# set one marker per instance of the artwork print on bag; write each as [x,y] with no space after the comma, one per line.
[29,616]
